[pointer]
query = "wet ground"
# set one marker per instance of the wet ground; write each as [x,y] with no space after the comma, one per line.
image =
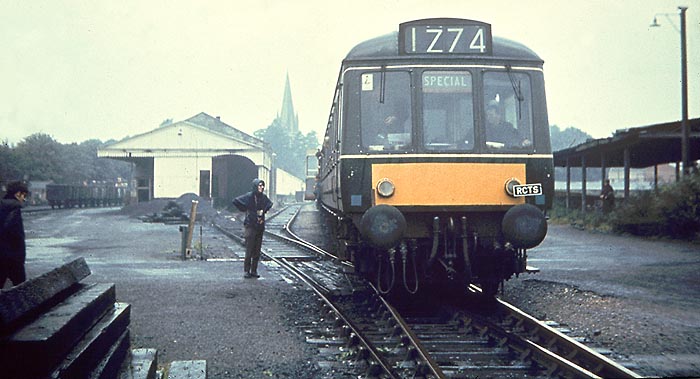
[191,309]
[636,297]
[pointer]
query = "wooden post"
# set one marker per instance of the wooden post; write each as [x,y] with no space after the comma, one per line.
[583,184]
[628,163]
[603,168]
[568,183]
[193,216]
[656,179]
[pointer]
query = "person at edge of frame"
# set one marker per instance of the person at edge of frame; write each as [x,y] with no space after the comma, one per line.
[13,250]
[608,197]
[255,203]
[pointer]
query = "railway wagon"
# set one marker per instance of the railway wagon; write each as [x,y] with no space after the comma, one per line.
[94,194]
[436,164]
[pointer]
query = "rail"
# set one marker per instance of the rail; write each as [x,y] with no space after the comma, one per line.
[549,351]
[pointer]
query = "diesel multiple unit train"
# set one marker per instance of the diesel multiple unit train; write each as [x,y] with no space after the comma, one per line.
[436,163]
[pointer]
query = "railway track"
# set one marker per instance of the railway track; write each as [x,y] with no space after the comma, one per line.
[360,334]
[48,208]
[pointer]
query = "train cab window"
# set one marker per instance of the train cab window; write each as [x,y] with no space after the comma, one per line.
[448,110]
[385,111]
[507,111]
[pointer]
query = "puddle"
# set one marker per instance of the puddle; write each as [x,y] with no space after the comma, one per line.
[49,242]
[154,272]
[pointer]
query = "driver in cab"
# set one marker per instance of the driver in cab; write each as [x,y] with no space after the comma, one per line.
[501,133]
[394,129]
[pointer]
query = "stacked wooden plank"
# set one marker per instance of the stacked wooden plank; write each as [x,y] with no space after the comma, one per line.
[54,326]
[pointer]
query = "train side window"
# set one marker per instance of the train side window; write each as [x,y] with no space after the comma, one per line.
[507,110]
[385,110]
[448,110]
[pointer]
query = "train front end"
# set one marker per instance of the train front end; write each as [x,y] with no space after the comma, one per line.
[439,164]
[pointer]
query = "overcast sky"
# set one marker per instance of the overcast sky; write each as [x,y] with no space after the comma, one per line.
[79,70]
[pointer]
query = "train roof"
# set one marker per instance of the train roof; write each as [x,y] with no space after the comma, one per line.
[387,46]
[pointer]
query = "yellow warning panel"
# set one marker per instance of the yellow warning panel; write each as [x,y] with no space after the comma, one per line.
[436,184]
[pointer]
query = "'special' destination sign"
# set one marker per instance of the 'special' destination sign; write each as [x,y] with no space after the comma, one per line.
[445,36]
[436,81]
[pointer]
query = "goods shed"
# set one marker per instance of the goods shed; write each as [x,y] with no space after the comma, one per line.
[641,147]
[200,155]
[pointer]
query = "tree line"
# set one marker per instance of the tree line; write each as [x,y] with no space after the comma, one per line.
[39,157]
[289,147]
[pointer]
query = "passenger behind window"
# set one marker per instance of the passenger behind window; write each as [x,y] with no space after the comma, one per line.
[501,133]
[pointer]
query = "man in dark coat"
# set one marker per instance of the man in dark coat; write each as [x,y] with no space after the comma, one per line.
[608,197]
[13,251]
[255,204]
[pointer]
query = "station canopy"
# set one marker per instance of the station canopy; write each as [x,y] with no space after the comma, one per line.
[647,145]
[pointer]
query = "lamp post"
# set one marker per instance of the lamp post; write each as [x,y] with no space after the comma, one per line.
[685,157]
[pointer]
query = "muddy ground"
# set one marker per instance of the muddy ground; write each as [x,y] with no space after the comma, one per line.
[636,297]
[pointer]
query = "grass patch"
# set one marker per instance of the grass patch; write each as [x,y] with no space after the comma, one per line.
[673,212]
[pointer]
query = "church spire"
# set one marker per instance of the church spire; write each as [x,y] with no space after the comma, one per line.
[287,117]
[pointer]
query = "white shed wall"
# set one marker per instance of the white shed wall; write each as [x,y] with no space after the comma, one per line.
[175,176]
[288,184]
[179,152]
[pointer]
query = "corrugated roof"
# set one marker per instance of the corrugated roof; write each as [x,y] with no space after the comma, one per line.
[216,125]
[648,146]
[213,124]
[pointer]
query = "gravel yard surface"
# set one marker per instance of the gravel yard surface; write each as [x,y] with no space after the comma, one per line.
[638,298]
[194,309]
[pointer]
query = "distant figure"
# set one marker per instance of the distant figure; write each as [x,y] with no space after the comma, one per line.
[255,204]
[501,131]
[13,251]
[607,195]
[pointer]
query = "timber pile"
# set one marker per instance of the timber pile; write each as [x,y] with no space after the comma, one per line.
[54,326]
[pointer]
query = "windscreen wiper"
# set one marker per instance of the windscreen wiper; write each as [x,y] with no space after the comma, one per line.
[382,84]
[516,89]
